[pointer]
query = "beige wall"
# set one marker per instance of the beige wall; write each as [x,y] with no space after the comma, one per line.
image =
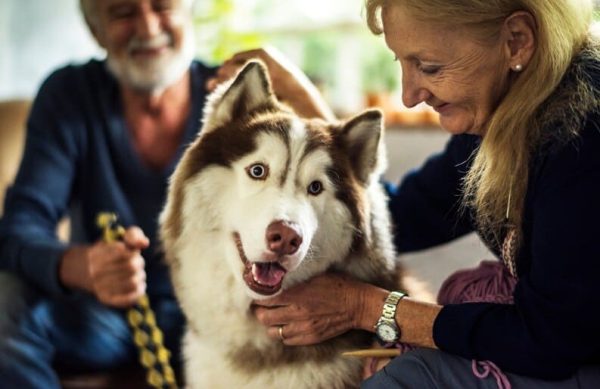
[407,149]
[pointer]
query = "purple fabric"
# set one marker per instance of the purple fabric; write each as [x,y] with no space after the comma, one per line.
[488,368]
[491,282]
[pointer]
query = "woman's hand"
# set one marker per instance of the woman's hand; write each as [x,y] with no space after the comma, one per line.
[113,272]
[316,310]
[290,84]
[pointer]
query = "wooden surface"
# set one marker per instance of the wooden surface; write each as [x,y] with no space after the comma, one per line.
[13,115]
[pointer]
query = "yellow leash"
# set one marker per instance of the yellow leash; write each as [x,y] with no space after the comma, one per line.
[148,338]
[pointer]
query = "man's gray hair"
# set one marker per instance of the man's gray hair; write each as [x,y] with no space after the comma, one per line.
[88,8]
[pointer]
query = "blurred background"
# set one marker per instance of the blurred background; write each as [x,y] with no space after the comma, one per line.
[328,39]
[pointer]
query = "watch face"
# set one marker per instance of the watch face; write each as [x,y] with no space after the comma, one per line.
[386,332]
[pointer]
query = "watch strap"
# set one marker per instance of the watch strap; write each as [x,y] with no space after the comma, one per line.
[390,304]
[388,316]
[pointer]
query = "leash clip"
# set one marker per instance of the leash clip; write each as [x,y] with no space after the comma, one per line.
[111,229]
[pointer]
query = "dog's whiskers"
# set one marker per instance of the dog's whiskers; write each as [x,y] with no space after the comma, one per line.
[311,254]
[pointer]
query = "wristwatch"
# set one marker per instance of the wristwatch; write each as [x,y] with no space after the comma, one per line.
[386,328]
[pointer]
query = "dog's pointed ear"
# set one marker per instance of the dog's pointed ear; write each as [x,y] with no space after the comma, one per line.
[249,90]
[363,134]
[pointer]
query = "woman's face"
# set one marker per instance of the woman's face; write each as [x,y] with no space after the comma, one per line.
[445,67]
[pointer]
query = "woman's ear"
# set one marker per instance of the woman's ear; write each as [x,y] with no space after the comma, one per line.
[519,30]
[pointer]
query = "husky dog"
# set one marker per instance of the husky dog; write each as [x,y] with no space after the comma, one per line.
[263,200]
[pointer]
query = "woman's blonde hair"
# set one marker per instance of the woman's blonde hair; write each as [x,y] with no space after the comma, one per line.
[496,184]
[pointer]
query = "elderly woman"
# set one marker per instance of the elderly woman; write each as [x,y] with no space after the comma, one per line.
[517,84]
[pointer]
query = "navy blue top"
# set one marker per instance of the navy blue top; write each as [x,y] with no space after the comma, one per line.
[79,156]
[553,327]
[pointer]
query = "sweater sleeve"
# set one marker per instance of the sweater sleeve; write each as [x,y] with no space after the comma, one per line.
[39,196]
[552,328]
[425,207]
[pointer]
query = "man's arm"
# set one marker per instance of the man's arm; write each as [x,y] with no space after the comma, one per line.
[40,194]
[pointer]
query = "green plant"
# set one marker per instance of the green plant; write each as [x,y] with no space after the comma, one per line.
[319,56]
[380,73]
[217,37]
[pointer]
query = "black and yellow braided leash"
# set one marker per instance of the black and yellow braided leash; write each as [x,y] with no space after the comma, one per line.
[148,338]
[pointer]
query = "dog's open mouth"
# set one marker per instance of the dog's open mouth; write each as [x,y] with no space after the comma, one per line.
[262,277]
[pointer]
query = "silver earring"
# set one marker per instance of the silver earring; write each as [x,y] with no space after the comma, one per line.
[518,67]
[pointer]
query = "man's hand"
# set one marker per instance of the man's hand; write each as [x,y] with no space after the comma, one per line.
[113,272]
[319,309]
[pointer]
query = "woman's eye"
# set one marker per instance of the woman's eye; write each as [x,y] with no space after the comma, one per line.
[429,69]
[315,188]
[258,171]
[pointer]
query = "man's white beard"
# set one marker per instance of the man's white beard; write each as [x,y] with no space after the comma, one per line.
[154,75]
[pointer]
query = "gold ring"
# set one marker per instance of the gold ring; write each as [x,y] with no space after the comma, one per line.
[281,333]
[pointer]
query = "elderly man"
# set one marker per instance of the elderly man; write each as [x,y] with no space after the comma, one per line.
[101,136]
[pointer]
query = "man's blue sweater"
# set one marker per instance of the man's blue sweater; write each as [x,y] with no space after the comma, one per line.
[79,157]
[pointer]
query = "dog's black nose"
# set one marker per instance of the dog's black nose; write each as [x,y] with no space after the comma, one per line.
[283,237]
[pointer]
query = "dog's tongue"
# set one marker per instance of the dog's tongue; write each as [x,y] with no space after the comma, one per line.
[267,273]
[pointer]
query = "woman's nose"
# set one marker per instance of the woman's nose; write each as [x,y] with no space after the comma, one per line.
[413,92]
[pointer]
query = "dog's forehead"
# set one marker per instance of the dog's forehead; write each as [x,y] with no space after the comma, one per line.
[296,133]
[233,141]
[318,134]
[282,126]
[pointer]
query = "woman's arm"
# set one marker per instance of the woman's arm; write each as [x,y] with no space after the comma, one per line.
[331,304]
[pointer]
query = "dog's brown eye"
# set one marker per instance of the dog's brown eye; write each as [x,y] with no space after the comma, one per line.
[258,171]
[315,188]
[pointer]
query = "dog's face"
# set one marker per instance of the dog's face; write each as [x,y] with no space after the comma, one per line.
[286,194]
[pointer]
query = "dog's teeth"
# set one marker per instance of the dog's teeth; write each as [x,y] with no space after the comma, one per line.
[267,274]
[255,273]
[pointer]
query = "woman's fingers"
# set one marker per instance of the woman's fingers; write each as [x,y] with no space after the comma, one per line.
[300,333]
[299,328]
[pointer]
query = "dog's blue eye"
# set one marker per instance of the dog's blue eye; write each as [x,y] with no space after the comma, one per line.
[315,188]
[258,171]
